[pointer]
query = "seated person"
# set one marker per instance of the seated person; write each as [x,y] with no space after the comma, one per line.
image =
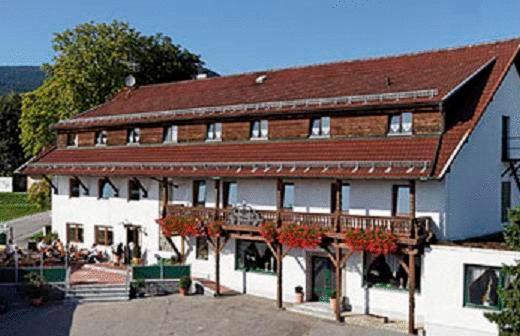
[93,255]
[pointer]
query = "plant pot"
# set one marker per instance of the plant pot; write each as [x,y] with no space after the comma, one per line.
[182,291]
[36,302]
[299,298]
[333,303]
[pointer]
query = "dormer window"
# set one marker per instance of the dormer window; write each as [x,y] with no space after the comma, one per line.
[72,140]
[133,136]
[101,138]
[401,124]
[260,129]
[214,132]
[170,134]
[320,127]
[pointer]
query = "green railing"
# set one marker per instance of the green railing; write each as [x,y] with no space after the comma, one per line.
[160,272]
[50,274]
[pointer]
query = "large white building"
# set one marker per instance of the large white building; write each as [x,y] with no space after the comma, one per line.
[424,145]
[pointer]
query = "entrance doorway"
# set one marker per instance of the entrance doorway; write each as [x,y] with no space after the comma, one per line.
[323,278]
[132,235]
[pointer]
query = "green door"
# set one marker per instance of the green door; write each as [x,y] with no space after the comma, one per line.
[323,279]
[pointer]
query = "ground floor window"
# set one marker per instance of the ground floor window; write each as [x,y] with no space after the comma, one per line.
[75,233]
[104,235]
[481,284]
[201,248]
[254,256]
[387,272]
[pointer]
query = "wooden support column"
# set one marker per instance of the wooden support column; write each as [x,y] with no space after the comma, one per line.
[411,291]
[166,196]
[217,243]
[337,308]
[279,247]
[412,199]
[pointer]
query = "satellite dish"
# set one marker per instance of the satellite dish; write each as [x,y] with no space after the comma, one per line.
[130,81]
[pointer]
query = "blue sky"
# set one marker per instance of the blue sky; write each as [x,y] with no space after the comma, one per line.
[237,35]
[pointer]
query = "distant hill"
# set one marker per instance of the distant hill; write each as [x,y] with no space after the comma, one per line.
[20,78]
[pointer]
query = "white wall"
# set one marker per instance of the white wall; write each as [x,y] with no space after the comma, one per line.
[91,211]
[473,182]
[443,290]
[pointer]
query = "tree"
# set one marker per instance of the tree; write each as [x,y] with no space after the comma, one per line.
[508,319]
[11,154]
[39,195]
[90,66]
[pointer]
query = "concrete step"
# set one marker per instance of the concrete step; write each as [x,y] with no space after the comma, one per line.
[97,293]
[315,309]
[99,300]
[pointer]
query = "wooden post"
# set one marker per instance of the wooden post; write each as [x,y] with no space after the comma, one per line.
[412,199]
[166,196]
[217,242]
[337,308]
[279,247]
[411,292]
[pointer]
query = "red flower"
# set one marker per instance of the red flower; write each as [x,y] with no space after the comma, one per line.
[214,229]
[356,240]
[268,231]
[180,225]
[300,236]
[381,242]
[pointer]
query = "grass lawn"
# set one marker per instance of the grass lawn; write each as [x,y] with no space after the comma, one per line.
[14,205]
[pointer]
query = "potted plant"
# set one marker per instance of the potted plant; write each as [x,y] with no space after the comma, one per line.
[299,294]
[184,285]
[138,288]
[333,300]
[36,288]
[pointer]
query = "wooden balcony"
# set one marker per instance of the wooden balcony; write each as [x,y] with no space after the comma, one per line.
[407,230]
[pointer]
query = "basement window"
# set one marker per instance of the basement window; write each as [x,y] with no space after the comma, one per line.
[254,256]
[481,285]
[320,127]
[387,272]
[401,124]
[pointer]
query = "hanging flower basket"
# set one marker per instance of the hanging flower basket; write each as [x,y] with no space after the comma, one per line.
[356,239]
[300,236]
[381,242]
[268,231]
[180,225]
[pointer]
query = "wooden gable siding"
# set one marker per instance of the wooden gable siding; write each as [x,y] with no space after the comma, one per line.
[427,123]
[289,129]
[235,131]
[86,139]
[358,126]
[152,135]
[191,133]
[117,137]
[61,142]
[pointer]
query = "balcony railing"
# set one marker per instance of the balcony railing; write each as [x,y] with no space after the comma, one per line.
[403,227]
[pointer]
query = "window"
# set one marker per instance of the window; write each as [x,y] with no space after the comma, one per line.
[288,196]
[72,140]
[320,127]
[259,129]
[101,138]
[345,197]
[505,201]
[254,256]
[387,272]
[401,123]
[74,187]
[103,235]
[230,196]
[199,193]
[134,190]
[133,136]
[214,132]
[75,233]
[481,284]
[105,190]
[401,201]
[201,249]
[170,134]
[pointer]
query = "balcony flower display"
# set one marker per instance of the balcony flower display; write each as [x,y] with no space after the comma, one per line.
[380,242]
[214,229]
[180,225]
[300,236]
[356,239]
[268,231]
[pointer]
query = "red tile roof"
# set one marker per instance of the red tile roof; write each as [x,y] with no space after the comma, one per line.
[442,70]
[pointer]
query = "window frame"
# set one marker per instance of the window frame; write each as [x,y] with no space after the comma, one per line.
[76,236]
[103,135]
[501,283]
[263,127]
[101,183]
[226,193]
[133,136]
[321,130]
[205,246]
[73,183]
[108,239]
[196,193]
[238,255]
[389,286]
[168,134]
[216,129]
[395,199]
[284,193]
[72,140]
[342,186]
[401,123]
[135,184]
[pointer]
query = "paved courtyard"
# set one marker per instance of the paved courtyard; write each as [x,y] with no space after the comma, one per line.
[173,316]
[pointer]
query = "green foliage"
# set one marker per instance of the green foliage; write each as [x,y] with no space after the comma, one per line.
[508,319]
[36,286]
[185,282]
[48,238]
[11,153]
[20,79]
[91,63]
[40,195]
